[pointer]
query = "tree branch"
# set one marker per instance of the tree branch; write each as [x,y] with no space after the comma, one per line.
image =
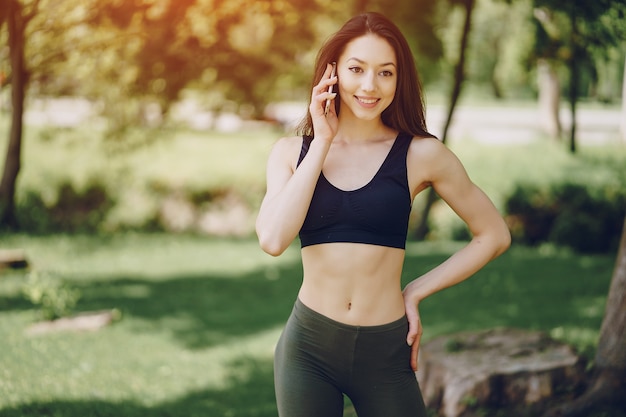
[34,9]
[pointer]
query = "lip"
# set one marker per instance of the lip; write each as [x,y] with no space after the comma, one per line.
[367,102]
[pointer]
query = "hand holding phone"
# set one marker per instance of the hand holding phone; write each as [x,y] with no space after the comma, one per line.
[330,88]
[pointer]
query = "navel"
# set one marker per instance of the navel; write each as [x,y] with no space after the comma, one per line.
[349,306]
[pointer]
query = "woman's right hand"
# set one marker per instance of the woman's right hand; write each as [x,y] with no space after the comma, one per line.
[324,125]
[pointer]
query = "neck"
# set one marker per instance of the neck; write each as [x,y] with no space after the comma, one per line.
[351,129]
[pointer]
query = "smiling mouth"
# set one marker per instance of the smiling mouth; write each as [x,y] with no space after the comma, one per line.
[368,101]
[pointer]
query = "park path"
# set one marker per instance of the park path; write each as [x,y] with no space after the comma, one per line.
[516,124]
[491,124]
[497,124]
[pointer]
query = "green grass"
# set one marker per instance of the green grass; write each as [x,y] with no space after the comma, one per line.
[200,318]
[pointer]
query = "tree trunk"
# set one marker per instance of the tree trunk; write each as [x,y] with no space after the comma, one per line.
[611,353]
[624,104]
[573,81]
[16,25]
[496,88]
[459,76]
[608,380]
[549,99]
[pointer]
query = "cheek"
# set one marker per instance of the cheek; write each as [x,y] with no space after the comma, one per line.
[345,85]
[390,88]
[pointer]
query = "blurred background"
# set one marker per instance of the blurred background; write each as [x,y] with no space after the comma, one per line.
[134,136]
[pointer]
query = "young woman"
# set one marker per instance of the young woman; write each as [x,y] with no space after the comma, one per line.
[346,187]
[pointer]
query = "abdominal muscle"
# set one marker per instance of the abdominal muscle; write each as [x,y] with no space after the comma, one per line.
[356,284]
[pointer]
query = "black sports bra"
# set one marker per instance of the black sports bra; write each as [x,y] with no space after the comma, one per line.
[376,214]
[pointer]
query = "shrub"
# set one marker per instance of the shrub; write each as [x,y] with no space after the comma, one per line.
[72,211]
[586,218]
[54,298]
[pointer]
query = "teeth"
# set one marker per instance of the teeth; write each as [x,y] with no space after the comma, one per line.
[368,101]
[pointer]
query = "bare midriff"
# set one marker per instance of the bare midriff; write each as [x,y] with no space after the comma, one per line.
[356,284]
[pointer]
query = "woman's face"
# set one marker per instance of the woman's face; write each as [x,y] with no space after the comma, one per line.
[367,76]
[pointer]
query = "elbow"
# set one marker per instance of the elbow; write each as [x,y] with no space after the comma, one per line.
[496,240]
[274,237]
[504,239]
[272,249]
[271,245]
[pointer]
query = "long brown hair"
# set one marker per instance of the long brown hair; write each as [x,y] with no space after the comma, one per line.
[406,111]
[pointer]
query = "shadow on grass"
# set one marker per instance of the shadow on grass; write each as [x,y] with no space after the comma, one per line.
[199,311]
[524,288]
[248,392]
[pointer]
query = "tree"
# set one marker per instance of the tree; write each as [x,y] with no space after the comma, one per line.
[623,124]
[417,19]
[125,53]
[500,35]
[16,16]
[608,377]
[237,47]
[459,77]
[547,44]
[572,32]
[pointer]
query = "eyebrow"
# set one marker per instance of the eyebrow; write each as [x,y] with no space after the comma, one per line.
[363,62]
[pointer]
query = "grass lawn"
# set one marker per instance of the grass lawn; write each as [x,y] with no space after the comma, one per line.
[200,317]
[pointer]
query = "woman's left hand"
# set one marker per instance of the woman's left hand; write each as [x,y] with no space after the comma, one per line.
[415,328]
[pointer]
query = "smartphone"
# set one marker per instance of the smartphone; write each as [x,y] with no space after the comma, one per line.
[330,88]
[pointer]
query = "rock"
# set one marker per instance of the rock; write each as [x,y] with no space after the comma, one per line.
[494,368]
[90,321]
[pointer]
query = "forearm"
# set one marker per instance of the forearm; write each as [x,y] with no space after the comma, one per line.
[282,213]
[459,266]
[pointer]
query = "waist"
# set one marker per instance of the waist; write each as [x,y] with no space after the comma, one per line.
[306,314]
[353,284]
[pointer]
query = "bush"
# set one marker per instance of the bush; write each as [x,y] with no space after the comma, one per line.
[72,211]
[586,218]
[54,298]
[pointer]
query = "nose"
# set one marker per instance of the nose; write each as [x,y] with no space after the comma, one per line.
[368,82]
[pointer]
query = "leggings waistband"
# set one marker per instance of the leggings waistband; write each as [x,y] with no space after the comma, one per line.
[305,313]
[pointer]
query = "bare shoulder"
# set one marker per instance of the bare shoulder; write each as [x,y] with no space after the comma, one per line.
[428,150]
[287,150]
[288,143]
[431,162]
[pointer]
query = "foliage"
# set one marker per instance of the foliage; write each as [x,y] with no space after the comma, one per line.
[72,181]
[204,165]
[134,59]
[585,218]
[72,210]
[54,298]
[126,56]
[586,33]
[501,38]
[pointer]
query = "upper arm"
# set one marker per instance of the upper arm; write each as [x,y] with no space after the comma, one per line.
[281,164]
[441,169]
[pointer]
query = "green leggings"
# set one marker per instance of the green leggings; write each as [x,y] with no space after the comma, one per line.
[318,360]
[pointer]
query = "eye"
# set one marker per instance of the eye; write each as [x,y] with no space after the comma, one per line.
[356,69]
[386,73]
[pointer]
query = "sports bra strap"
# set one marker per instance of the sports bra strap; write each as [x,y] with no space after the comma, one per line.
[306,144]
